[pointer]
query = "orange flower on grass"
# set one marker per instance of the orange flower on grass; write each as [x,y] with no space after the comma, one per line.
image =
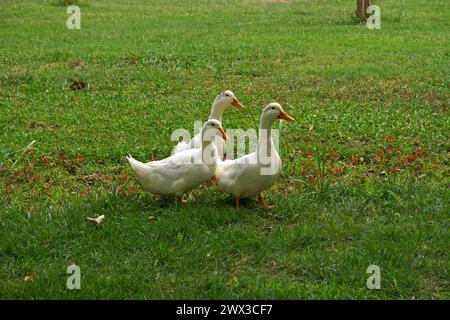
[334,154]
[85,192]
[79,156]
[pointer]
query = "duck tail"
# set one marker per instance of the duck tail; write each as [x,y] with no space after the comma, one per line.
[137,166]
[131,161]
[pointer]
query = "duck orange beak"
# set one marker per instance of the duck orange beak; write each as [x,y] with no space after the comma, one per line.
[224,135]
[283,115]
[235,102]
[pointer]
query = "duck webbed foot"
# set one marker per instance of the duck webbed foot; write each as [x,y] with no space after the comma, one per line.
[263,203]
[180,200]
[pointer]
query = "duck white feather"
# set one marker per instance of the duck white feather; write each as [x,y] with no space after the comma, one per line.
[221,102]
[251,174]
[183,171]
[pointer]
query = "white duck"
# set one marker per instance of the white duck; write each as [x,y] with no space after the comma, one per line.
[182,172]
[249,175]
[219,105]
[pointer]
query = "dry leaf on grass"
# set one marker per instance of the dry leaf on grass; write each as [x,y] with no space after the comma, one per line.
[97,220]
[91,177]
[28,278]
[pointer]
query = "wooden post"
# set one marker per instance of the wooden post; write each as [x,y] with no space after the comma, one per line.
[361,7]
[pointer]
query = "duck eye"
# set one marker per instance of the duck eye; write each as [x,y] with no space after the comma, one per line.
[273,108]
[227,95]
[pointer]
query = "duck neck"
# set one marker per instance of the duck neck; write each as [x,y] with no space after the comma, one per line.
[217,110]
[206,144]
[265,142]
[209,151]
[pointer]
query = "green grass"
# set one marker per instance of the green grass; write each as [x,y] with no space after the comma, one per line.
[365,166]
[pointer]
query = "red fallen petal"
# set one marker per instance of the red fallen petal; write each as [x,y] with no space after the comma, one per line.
[119,190]
[390,138]
[310,154]
[44,160]
[415,156]
[131,188]
[85,192]
[107,178]
[304,172]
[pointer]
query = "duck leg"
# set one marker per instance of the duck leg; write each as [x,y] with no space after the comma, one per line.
[237,202]
[263,203]
[214,181]
[179,199]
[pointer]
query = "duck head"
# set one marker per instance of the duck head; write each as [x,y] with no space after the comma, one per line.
[213,128]
[227,97]
[274,111]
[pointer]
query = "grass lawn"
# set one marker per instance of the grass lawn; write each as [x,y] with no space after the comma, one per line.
[365,166]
